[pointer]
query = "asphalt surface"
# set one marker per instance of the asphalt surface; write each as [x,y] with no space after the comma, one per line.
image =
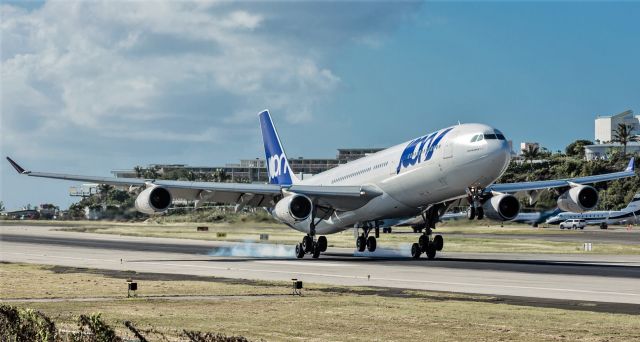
[604,236]
[579,277]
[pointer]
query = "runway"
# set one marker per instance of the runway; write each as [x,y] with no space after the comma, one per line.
[579,277]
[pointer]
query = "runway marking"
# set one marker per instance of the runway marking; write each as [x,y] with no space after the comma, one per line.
[302,263]
[350,277]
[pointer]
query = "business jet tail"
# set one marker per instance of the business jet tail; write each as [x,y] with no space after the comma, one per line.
[277,164]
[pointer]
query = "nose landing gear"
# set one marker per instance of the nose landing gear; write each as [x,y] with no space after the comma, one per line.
[475,209]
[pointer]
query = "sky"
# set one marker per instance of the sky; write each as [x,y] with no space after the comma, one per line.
[92,86]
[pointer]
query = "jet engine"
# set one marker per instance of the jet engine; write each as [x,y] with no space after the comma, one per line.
[153,200]
[578,199]
[293,209]
[502,207]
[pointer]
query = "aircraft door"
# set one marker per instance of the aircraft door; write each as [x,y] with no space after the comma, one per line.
[447,150]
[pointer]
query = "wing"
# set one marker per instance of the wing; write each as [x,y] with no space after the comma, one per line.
[540,185]
[341,198]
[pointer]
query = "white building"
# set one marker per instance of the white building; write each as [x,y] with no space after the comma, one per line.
[606,125]
[601,151]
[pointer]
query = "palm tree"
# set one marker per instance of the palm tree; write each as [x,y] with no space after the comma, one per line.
[152,173]
[139,171]
[530,153]
[191,176]
[624,135]
[220,175]
[104,189]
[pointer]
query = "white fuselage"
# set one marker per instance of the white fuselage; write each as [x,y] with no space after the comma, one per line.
[431,169]
[627,215]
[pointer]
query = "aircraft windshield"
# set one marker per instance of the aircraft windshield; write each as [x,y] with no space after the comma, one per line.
[497,135]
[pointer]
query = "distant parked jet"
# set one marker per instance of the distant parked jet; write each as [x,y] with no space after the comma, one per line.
[628,215]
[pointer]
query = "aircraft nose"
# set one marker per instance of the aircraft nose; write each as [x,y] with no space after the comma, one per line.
[502,154]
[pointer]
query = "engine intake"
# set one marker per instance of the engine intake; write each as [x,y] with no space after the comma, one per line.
[578,199]
[293,209]
[153,200]
[501,207]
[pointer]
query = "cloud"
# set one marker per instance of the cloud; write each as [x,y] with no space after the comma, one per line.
[172,69]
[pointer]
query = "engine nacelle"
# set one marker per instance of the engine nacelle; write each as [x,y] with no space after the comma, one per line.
[293,209]
[501,207]
[578,199]
[155,200]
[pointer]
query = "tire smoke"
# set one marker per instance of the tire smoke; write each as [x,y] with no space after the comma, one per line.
[402,251]
[254,250]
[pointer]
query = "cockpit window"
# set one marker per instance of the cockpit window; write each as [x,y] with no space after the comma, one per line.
[477,137]
[490,136]
[496,135]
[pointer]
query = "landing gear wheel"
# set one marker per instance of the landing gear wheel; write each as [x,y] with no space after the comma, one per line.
[316,251]
[480,213]
[307,244]
[603,226]
[438,242]
[423,242]
[322,243]
[299,251]
[431,251]
[416,251]
[371,244]
[361,243]
[471,213]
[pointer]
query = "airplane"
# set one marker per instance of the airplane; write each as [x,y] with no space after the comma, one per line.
[423,176]
[535,218]
[603,218]
[531,218]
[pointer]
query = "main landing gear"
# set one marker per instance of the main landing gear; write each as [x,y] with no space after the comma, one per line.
[309,244]
[365,241]
[427,243]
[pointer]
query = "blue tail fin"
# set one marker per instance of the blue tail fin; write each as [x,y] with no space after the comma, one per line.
[277,164]
[631,165]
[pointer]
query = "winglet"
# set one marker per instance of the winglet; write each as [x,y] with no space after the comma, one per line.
[17,167]
[631,165]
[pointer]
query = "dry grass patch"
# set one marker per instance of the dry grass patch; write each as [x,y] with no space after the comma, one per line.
[262,311]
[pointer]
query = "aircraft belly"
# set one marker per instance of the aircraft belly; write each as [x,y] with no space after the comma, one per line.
[382,207]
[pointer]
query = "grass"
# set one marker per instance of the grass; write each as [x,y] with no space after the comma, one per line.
[280,234]
[264,311]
